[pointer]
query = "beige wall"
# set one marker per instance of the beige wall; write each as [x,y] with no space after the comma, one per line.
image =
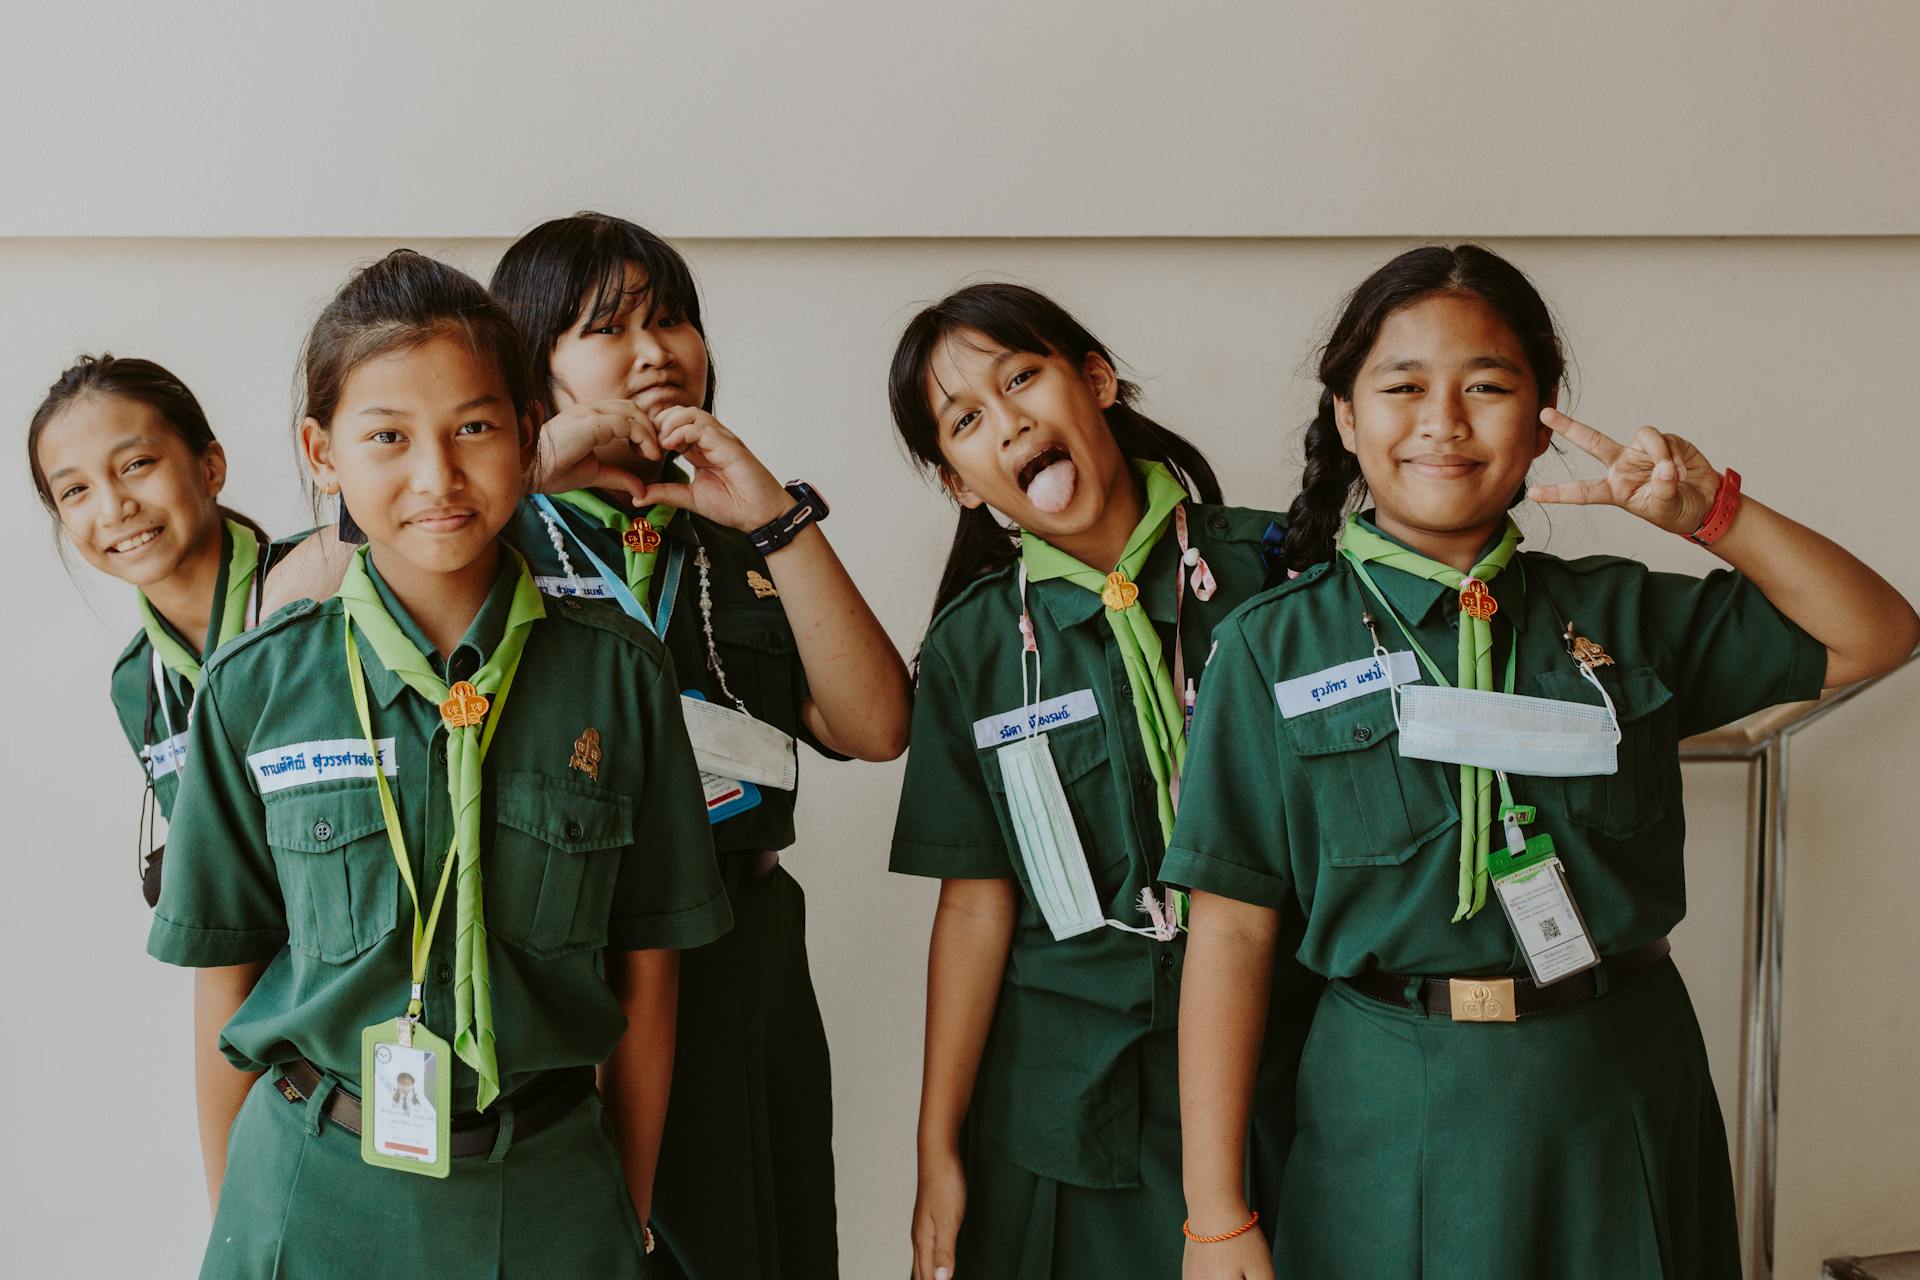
[996,117]
[1789,358]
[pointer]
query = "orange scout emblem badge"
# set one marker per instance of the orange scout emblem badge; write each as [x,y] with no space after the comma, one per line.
[1476,601]
[1587,653]
[464,707]
[586,754]
[642,537]
[1119,594]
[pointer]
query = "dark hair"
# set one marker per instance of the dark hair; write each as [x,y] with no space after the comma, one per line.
[1330,483]
[405,300]
[569,267]
[141,381]
[1019,319]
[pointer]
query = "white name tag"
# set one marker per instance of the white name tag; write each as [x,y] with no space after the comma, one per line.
[305,762]
[166,757]
[587,588]
[1349,680]
[1068,708]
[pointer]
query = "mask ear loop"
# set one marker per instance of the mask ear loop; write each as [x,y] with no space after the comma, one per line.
[1613,716]
[1028,698]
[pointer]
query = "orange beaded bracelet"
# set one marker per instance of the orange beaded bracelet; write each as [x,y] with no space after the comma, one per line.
[1186,1229]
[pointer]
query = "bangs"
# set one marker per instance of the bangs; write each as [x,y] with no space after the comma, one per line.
[605,288]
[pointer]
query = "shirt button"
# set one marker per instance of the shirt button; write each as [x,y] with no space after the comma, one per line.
[442,753]
[1217,522]
[1126,690]
[1362,734]
[570,602]
[573,830]
[323,831]
[1166,961]
[444,973]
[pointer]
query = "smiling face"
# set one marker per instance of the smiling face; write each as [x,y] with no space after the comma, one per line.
[129,491]
[1445,420]
[1027,435]
[652,356]
[428,454]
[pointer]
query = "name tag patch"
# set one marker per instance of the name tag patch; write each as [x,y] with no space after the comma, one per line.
[1069,708]
[166,757]
[322,761]
[586,588]
[1349,680]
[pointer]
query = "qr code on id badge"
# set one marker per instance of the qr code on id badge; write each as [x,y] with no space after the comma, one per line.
[1549,928]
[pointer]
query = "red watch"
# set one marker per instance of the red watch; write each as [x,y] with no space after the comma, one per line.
[1726,505]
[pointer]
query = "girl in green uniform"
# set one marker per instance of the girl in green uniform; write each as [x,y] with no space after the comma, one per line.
[1505,1078]
[1091,563]
[434,826]
[771,636]
[764,623]
[124,458]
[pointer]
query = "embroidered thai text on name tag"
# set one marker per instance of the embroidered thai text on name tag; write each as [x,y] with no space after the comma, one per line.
[1068,708]
[587,588]
[1348,680]
[305,762]
[166,757]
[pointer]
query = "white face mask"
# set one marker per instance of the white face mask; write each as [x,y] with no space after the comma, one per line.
[733,744]
[1508,732]
[1043,825]
[1049,842]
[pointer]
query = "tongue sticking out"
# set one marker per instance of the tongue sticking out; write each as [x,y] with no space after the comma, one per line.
[1052,489]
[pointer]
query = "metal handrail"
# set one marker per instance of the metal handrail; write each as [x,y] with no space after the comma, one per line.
[1760,742]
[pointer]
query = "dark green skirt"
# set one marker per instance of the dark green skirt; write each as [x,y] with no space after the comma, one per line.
[744,1188]
[1021,1226]
[1582,1145]
[298,1204]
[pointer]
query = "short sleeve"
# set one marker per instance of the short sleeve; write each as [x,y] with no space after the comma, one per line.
[668,892]
[220,901]
[1231,835]
[1728,651]
[946,825]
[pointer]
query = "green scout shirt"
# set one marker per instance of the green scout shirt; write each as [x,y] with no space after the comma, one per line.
[751,633]
[280,853]
[146,708]
[1319,807]
[1059,1086]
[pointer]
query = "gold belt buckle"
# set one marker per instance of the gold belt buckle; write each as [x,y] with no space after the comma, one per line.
[1481,999]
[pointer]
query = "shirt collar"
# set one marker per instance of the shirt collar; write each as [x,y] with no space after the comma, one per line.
[1413,598]
[483,633]
[1070,605]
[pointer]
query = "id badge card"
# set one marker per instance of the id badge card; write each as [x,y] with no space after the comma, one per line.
[726,796]
[406,1099]
[1545,920]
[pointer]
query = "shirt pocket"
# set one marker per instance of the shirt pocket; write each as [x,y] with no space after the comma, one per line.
[337,872]
[1626,802]
[556,853]
[756,647]
[1078,752]
[1373,808]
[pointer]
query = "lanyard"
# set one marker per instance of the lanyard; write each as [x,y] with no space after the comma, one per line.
[422,938]
[616,583]
[1513,650]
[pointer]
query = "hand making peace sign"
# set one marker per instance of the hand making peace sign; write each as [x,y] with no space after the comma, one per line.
[1661,478]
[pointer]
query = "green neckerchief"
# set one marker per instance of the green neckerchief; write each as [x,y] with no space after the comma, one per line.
[473,1038]
[1363,546]
[1156,706]
[228,617]
[639,563]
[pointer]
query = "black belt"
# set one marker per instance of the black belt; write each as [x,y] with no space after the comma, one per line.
[536,1105]
[1487,999]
